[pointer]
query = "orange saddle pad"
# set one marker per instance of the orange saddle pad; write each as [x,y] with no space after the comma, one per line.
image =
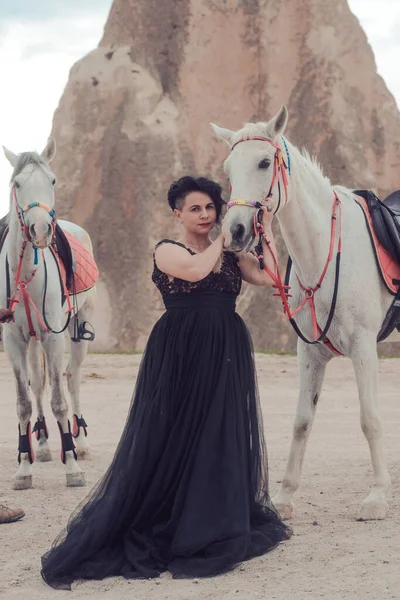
[86,272]
[389,268]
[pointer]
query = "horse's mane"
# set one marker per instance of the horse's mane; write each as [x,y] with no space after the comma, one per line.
[313,164]
[27,158]
[249,130]
[4,222]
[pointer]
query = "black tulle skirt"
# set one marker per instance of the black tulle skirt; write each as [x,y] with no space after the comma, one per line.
[187,490]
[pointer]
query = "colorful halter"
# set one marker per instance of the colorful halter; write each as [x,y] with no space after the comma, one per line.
[51,211]
[21,217]
[249,203]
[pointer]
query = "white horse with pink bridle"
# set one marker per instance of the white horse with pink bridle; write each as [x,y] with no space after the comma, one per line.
[319,224]
[32,287]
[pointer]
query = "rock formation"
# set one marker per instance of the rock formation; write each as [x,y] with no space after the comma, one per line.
[135,114]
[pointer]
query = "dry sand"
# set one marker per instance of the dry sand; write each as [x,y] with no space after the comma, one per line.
[331,555]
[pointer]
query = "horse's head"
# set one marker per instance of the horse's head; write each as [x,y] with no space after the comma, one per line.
[254,169]
[32,189]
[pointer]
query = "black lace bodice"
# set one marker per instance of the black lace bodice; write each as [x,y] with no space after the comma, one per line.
[227,280]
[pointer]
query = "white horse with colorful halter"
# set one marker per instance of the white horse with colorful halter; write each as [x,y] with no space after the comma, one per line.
[343,300]
[33,285]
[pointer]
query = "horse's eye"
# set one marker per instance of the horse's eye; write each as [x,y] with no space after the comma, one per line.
[264,164]
[54,182]
[16,184]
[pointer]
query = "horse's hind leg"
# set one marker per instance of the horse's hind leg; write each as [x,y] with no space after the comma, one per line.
[312,362]
[54,346]
[16,349]
[365,363]
[78,353]
[37,361]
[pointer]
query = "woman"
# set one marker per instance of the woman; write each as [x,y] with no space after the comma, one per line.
[187,490]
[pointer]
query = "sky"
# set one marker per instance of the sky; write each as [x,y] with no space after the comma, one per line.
[40,40]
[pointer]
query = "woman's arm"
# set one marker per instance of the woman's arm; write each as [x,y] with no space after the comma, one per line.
[249,264]
[175,261]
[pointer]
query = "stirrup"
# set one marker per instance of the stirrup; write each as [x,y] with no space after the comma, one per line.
[85,332]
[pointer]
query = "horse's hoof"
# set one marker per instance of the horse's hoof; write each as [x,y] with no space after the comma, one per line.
[43,454]
[22,483]
[285,510]
[76,480]
[373,511]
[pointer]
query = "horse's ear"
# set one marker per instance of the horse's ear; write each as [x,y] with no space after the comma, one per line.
[277,125]
[50,150]
[10,156]
[223,134]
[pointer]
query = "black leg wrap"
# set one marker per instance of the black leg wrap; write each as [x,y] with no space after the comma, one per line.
[25,444]
[67,443]
[39,426]
[78,423]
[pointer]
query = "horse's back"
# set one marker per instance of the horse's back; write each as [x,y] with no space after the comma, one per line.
[78,232]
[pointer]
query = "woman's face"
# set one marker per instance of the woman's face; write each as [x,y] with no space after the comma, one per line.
[198,214]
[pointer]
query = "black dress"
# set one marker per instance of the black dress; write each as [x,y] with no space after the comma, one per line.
[187,490]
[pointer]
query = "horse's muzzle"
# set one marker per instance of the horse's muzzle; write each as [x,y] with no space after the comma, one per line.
[241,240]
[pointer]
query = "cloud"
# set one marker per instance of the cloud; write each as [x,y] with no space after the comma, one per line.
[35,58]
[40,40]
[67,36]
[39,10]
[382,27]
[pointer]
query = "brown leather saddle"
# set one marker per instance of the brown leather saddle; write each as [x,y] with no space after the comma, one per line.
[385,219]
[3,230]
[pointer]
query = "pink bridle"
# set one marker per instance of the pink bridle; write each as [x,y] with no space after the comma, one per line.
[282,288]
[21,285]
[279,169]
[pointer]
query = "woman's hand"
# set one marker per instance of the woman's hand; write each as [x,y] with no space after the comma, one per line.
[221,237]
[268,213]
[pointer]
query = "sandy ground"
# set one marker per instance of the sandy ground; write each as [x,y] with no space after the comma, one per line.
[331,555]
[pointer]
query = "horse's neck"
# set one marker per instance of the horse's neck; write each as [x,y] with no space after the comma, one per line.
[306,220]
[14,248]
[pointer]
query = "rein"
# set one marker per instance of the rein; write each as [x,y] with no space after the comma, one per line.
[282,287]
[21,285]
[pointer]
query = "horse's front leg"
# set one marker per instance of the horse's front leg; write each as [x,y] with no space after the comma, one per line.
[365,363]
[54,345]
[16,348]
[37,377]
[312,361]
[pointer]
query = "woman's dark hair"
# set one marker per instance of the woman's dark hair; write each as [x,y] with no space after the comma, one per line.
[182,187]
